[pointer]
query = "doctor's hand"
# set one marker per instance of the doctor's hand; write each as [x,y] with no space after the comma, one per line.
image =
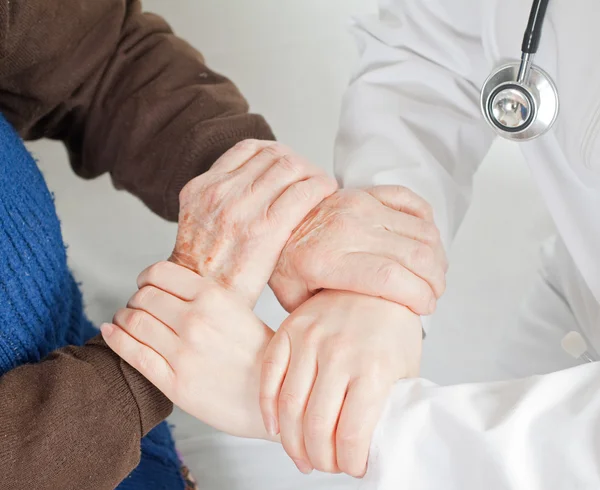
[235,219]
[380,241]
[196,342]
[328,372]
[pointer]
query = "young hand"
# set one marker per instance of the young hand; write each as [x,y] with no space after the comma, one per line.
[196,342]
[327,374]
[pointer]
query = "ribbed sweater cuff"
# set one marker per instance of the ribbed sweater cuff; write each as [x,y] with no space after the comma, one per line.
[129,387]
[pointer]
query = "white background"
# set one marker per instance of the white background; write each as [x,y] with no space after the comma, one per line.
[292,60]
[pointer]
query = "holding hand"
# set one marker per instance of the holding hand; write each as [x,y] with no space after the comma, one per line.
[328,373]
[235,219]
[381,241]
[197,343]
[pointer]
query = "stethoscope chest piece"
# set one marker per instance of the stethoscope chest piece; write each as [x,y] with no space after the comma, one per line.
[519,110]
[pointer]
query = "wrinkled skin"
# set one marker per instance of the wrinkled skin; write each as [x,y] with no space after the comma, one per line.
[380,241]
[236,218]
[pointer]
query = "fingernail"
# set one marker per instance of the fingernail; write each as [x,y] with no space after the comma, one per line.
[272,426]
[107,329]
[303,466]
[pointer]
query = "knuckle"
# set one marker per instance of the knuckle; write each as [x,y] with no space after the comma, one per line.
[143,296]
[289,404]
[387,274]
[303,191]
[348,440]
[275,150]
[291,164]
[430,233]
[134,320]
[424,297]
[422,256]
[316,427]
[248,144]
[424,209]
[157,271]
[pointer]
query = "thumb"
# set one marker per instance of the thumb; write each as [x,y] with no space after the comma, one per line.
[291,293]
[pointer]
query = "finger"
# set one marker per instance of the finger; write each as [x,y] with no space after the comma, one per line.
[418,229]
[267,157]
[402,199]
[378,276]
[163,306]
[148,330]
[362,409]
[239,155]
[274,368]
[173,279]
[286,170]
[294,204]
[416,257]
[293,399]
[139,356]
[322,414]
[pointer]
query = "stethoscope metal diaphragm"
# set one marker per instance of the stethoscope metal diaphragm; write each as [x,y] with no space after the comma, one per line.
[519,100]
[519,111]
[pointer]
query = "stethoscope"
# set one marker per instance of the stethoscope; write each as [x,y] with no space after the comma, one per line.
[520,100]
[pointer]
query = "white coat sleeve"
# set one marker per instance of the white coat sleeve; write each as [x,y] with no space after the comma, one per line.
[539,433]
[411,115]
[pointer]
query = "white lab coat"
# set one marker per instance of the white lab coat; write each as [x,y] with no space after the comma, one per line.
[411,116]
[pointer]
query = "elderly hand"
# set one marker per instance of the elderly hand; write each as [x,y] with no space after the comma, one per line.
[327,374]
[196,342]
[235,219]
[381,241]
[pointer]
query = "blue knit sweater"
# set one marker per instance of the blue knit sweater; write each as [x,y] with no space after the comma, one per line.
[40,303]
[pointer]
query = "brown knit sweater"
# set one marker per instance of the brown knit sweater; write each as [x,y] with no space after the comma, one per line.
[126,97]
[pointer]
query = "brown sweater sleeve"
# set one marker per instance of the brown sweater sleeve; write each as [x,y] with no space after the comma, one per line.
[75,420]
[124,94]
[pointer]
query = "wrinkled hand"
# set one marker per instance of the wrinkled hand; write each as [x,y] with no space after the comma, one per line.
[196,342]
[381,241]
[235,219]
[327,374]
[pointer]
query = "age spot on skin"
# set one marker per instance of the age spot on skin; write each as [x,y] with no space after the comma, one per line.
[185,247]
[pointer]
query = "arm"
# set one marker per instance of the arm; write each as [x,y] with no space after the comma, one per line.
[411,115]
[538,433]
[75,420]
[122,92]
